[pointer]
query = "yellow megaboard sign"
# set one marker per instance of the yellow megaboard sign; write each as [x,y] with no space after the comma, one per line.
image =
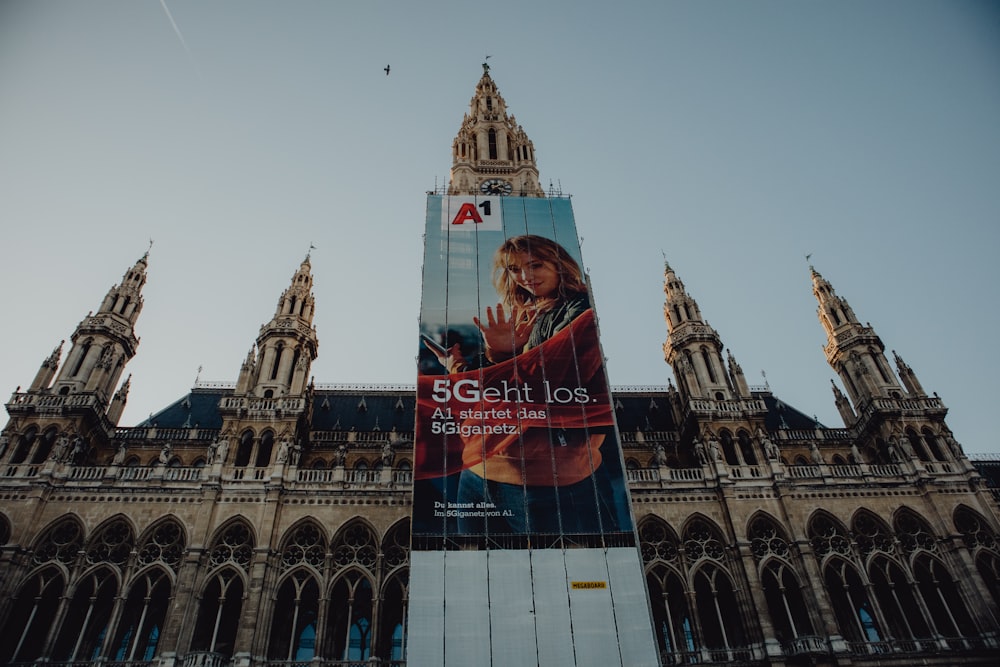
[584,585]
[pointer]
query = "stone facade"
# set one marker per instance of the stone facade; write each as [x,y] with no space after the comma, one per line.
[266,521]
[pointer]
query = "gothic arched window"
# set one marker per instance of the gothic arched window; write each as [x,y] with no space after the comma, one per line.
[746,448]
[348,631]
[164,543]
[24,444]
[87,616]
[394,607]
[219,613]
[61,542]
[32,614]
[780,582]
[728,449]
[293,625]
[264,449]
[491,137]
[45,446]
[144,614]
[245,449]
[111,543]
[982,542]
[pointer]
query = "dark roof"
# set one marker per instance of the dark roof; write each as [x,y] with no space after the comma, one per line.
[198,408]
[358,409]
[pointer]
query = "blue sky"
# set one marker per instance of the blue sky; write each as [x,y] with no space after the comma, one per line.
[735,137]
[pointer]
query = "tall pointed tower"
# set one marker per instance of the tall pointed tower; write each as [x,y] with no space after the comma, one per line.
[79,401]
[492,155]
[715,400]
[271,400]
[893,416]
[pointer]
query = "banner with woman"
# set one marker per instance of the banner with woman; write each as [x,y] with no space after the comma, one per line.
[515,438]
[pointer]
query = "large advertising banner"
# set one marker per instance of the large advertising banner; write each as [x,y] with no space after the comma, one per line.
[523,547]
[515,437]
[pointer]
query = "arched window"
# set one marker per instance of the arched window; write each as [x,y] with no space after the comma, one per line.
[45,446]
[877,360]
[222,597]
[917,444]
[61,542]
[264,449]
[278,350]
[746,448]
[32,614]
[349,628]
[981,541]
[896,599]
[163,543]
[779,581]
[111,543]
[145,611]
[245,449]
[87,616]
[671,617]
[348,632]
[393,610]
[219,613]
[728,449]
[293,625]
[24,444]
[851,606]
[941,595]
[709,367]
[932,444]
[491,137]
[84,351]
[718,609]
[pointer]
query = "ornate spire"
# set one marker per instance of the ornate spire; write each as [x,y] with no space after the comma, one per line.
[693,348]
[287,344]
[853,349]
[492,155]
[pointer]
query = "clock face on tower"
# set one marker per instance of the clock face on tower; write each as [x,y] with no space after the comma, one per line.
[495,186]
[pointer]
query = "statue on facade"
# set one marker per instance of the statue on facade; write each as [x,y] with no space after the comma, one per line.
[340,456]
[221,450]
[856,457]
[713,446]
[659,455]
[699,451]
[283,450]
[949,439]
[62,446]
[164,457]
[815,455]
[901,445]
[295,453]
[770,449]
[387,454]
[119,456]
[79,448]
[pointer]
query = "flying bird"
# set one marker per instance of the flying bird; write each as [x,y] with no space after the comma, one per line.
[387,70]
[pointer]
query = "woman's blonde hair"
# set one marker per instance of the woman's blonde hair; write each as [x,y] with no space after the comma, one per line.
[541,249]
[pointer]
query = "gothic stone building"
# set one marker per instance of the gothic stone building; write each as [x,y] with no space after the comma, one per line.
[266,521]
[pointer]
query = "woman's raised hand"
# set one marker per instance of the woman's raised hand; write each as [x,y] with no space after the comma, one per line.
[507,335]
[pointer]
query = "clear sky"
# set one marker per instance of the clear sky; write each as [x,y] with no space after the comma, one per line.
[735,137]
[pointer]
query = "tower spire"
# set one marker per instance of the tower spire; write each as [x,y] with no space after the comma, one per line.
[105,341]
[492,155]
[287,345]
[693,348]
[853,349]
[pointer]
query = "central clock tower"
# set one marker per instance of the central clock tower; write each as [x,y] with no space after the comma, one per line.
[491,154]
